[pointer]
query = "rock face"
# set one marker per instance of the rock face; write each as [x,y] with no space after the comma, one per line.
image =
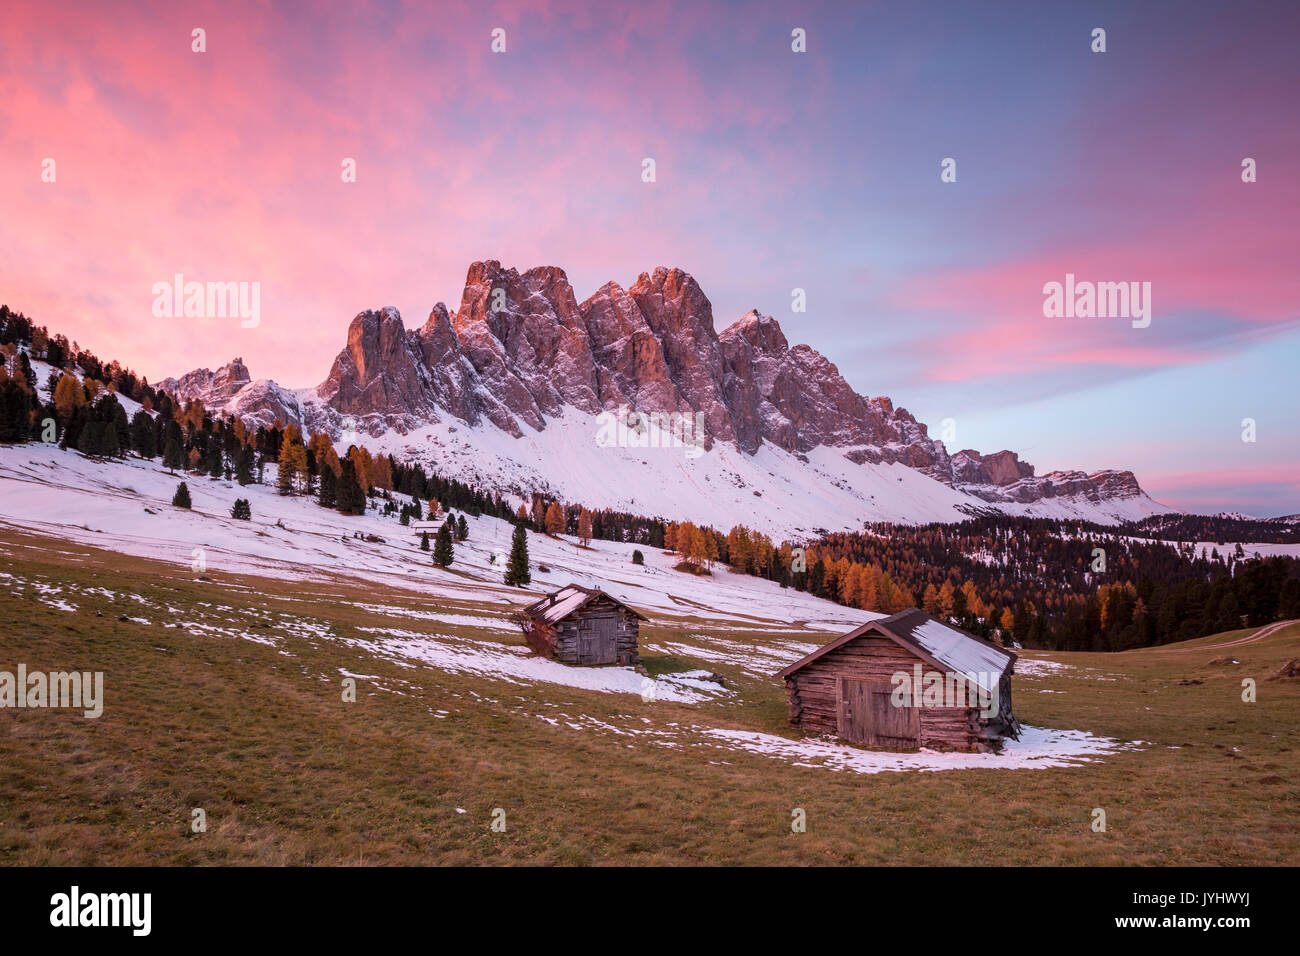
[231,391]
[1000,468]
[213,389]
[521,350]
[381,370]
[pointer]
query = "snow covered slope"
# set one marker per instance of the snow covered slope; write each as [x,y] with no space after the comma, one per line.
[126,506]
[773,490]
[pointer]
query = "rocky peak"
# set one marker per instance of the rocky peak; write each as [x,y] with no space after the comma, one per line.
[521,351]
[999,468]
[679,314]
[527,340]
[762,332]
[380,371]
[213,389]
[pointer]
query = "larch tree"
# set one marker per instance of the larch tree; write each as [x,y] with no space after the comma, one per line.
[555,519]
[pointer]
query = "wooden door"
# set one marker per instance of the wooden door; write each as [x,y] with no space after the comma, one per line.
[865,714]
[596,640]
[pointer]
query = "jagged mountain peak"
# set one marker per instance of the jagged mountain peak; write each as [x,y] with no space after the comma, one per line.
[521,352]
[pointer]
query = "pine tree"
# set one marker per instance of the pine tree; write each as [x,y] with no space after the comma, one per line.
[142,435]
[959,609]
[351,499]
[462,529]
[109,444]
[638,557]
[517,573]
[242,510]
[442,551]
[90,440]
[173,455]
[424,541]
[328,490]
[182,497]
[15,412]
[244,466]
[119,424]
[584,527]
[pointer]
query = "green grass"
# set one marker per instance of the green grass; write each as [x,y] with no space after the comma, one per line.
[259,737]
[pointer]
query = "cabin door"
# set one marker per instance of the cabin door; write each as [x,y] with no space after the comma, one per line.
[866,715]
[596,640]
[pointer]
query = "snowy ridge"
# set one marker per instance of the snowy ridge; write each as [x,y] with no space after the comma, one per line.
[522,361]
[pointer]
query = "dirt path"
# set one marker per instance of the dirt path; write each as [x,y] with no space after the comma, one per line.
[1259,635]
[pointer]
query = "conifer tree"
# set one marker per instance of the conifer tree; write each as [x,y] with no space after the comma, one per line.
[517,573]
[142,435]
[442,551]
[351,499]
[68,395]
[328,489]
[293,467]
[424,541]
[173,455]
[462,529]
[242,510]
[109,444]
[244,466]
[182,496]
[555,519]
[90,440]
[15,412]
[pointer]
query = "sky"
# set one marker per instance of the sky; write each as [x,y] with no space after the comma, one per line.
[775,170]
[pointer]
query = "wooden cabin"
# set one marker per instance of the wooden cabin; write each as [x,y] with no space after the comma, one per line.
[586,626]
[956,696]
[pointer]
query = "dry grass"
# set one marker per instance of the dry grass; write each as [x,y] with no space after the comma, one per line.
[259,737]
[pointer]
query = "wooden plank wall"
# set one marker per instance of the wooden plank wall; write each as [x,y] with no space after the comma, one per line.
[812,694]
[625,642]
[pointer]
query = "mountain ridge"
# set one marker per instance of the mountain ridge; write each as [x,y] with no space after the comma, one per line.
[521,353]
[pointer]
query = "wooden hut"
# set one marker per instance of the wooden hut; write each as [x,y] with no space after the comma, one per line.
[954,692]
[577,625]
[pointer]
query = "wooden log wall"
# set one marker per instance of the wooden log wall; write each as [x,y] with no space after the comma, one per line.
[813,695]
[627,632]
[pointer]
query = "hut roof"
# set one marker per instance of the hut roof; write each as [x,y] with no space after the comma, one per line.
[570,598]
[946,647]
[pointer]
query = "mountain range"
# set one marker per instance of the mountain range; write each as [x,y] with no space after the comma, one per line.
[509,389]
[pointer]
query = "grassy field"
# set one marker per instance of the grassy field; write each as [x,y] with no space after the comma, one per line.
[240,713]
